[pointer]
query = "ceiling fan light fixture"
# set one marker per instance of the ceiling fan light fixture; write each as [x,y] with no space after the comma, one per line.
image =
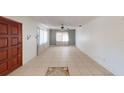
[80,25]
[62,27]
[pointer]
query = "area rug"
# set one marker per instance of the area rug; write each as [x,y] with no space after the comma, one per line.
[57,71]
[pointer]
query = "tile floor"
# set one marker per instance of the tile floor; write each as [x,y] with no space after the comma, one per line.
[77,62]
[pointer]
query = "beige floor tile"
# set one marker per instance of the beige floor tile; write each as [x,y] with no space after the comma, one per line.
[77,62]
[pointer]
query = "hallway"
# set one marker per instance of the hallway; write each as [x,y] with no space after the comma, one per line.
[62,46]
[78,63]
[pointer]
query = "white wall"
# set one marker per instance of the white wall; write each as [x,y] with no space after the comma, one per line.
[103,40]
[29,27]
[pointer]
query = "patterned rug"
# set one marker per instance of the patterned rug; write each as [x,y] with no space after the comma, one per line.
[57,71]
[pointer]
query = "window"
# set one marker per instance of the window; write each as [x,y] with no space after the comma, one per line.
[58,36]
[65,37]
[43,36]
[62,37]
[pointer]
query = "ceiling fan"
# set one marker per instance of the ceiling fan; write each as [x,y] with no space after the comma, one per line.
[63,28]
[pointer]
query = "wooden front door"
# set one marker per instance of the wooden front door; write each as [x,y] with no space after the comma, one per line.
[10,45]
